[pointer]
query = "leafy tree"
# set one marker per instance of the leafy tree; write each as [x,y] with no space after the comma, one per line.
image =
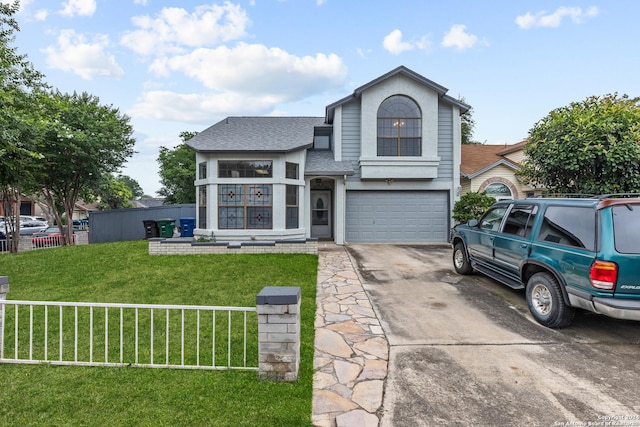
[132,185]
[467,125]
[114,193]
[84,141]
[177,172]
[19,120]
[588,147]
[471,206]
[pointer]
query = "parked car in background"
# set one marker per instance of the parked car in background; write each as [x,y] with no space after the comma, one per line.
[51,236]
[81,224]
[566,253]
[31,227]
[3,229]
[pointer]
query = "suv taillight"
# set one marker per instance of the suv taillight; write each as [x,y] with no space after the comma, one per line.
[603,274]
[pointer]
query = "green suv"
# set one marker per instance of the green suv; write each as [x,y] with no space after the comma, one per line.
[566,253]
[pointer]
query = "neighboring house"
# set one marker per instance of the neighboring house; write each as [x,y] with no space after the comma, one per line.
[82,209]
[28,207]
[382,165]
[493,168]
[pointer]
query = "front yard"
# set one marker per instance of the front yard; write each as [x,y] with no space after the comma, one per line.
[125,273]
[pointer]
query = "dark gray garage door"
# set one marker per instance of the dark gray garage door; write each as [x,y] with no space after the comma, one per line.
[397,216]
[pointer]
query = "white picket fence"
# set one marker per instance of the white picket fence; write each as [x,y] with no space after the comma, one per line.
[141,335]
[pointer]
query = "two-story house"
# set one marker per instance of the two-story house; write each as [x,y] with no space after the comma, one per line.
[382,165]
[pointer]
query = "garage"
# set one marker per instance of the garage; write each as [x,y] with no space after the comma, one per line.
[397,216]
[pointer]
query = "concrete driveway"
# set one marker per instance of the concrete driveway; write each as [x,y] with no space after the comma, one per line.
[465,351]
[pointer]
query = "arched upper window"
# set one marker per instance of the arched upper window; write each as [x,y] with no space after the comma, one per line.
[399,127]
[499,191]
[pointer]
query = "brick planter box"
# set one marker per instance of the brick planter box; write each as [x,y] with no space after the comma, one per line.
[188,246]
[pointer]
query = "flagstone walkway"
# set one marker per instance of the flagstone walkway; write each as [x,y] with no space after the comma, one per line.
[351,350]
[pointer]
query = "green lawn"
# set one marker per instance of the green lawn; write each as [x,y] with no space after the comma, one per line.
[123,272]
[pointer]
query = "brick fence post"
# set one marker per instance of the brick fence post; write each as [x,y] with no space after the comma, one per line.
[24,244]
[278,311]
[4,289]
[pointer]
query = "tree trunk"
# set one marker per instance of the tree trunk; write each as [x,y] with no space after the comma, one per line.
[67,236]
[51,202]
[10,200]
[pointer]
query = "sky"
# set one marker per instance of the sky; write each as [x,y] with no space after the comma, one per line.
[184,65]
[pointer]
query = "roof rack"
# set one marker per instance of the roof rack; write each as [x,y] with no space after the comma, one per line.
[564,195]
[618,196]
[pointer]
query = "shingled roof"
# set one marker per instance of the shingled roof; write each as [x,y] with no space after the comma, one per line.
[322,163]
[262,134]
[478,158]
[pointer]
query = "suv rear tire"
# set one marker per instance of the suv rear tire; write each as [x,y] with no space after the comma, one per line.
[461,259]
[545,301]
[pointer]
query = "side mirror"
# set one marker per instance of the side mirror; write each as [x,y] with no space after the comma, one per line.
[472,222]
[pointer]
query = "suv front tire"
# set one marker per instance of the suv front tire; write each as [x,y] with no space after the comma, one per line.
[461,259]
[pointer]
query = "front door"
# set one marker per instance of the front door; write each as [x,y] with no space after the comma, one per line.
[321,214]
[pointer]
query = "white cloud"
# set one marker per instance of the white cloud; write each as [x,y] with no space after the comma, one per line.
[553,20]
[87,59]
[238,85]
[257,69]
[200,108]
[424,43]
[241,78]
[41,15]
[174,29]
[458,38]
[393,43]
[78,7]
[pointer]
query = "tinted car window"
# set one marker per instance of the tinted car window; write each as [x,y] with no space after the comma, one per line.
[626,228]
[570,226]
[492,219]
[520,220]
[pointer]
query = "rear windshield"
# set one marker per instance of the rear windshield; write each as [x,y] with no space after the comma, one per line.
[626,228]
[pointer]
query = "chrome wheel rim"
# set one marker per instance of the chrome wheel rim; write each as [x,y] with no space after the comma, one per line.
[458,259]
[541,298]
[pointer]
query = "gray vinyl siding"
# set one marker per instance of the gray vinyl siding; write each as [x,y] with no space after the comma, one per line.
[445,141]
[351,137]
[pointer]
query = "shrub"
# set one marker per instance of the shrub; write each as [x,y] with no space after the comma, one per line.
[471,205]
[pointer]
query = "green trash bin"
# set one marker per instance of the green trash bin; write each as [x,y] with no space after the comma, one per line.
[166,227]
